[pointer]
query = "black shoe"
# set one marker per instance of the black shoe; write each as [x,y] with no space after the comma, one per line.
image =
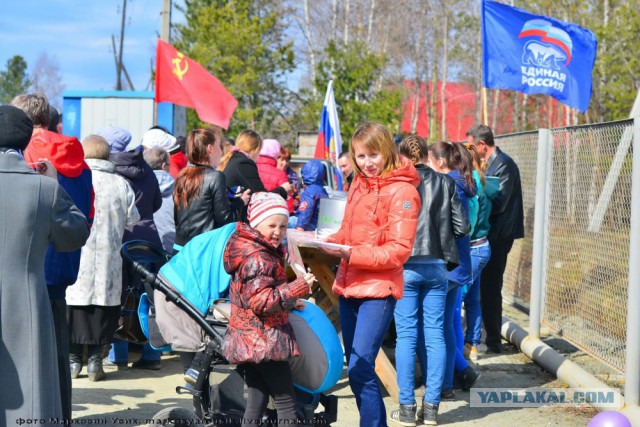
[405,416]
[75,364]
[467,378]
[494,349]
[94,370]
[429,414]
[75,369]
[448,394]
[153,365]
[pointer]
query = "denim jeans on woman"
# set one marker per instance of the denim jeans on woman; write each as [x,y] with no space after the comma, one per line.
[449,334]
[422,305]
[479,258]
[364,323]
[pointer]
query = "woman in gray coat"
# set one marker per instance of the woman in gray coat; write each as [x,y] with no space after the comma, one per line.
[34,211]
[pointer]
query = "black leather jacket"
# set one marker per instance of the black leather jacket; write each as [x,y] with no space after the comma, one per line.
[210,210]
[441,219]
[507,212]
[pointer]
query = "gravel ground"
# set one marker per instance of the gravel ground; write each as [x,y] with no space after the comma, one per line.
[130,396]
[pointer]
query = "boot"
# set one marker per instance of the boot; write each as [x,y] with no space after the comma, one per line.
[75,360]
[94,365]
[467,378]
[471,352]
[405,415]
[429,412]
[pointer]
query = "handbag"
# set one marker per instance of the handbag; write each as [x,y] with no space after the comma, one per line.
[129,328]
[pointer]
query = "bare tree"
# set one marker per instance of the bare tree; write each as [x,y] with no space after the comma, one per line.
[372,10]
[46,79]
[306,27]
[443,86]
[346,22]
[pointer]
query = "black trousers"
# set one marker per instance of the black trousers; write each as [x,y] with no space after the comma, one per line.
[59,310]
[491,289]
[269,379]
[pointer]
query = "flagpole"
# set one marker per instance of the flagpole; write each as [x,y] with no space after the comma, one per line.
[165,36]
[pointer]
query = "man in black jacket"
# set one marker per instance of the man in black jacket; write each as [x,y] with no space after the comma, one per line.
[507,224]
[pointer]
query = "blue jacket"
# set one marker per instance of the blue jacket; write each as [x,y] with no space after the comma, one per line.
[308,210]
[462,275]
[65,154]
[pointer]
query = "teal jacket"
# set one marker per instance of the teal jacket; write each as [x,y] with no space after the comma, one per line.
[481,229]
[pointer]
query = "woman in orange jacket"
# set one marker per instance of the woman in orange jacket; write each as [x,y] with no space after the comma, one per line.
[379,225]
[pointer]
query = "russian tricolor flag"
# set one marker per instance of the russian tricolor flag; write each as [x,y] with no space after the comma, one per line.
[329,144]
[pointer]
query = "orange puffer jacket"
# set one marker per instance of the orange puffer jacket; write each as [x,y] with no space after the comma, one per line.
[380,224]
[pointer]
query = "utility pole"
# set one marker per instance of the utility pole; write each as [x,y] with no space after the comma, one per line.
[119,64]
[165,35]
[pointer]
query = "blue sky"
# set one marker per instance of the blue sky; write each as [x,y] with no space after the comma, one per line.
[78,34]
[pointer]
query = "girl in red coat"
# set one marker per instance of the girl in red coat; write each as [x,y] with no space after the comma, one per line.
[260,338]
[379,224]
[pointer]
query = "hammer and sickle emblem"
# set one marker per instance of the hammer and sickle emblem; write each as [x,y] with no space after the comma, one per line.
[177,62]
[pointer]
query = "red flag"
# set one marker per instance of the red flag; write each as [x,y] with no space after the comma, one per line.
[185,82]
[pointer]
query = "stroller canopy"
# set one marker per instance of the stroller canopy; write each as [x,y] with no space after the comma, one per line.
[197,271]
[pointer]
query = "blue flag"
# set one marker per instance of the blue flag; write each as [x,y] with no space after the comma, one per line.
[537,54]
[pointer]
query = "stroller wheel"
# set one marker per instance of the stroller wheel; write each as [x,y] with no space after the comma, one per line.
[175,415]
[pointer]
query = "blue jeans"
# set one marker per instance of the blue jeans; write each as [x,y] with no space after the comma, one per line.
[450,335]
[421,306]
[479,258]
[460,362]
[364,323]
[119,352]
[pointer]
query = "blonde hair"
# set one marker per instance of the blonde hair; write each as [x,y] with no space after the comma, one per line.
[415,148]
[375,137]
[248,141]
[95,147]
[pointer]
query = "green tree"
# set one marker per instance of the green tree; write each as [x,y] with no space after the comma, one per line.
[619,66]
[14,80]
[354,71]
[241,42]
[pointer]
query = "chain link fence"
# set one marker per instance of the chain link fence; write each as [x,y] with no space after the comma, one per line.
[587,235]
[522,148]
[587,238]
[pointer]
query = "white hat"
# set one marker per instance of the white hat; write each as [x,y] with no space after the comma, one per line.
[263,205]
[159,138]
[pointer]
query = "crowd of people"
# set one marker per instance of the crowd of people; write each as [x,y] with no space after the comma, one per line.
[427,230]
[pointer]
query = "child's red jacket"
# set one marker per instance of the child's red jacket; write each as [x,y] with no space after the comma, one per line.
[259,328]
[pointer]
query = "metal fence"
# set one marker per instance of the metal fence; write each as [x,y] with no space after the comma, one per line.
[522,148]
[585,260]
[587,238]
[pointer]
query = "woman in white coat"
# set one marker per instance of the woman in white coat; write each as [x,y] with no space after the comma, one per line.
[94,300]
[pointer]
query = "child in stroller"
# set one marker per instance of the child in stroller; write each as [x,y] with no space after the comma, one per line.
[223,402]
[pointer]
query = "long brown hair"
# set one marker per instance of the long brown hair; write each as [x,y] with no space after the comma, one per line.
[479,164]
[189,180]
[415,148]
[456,156]
[375,137]
[248,141]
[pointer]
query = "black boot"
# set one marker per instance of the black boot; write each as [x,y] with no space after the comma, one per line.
[405,415]
[94,365]
[467,378]
[429,413]
[75,360]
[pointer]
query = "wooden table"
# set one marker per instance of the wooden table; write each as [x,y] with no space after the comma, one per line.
[321,266]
